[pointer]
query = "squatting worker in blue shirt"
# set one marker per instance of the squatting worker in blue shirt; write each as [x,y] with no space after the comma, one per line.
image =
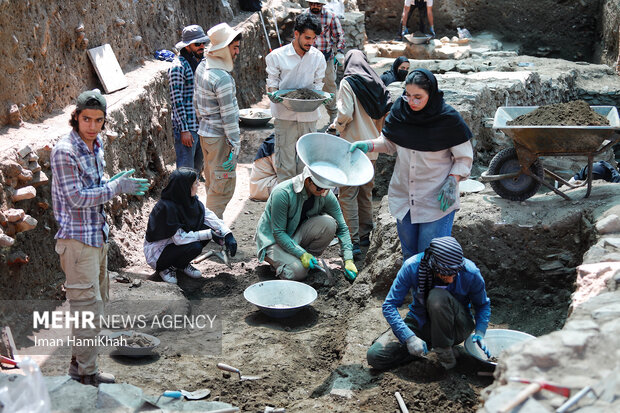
[79,192]
[444,286]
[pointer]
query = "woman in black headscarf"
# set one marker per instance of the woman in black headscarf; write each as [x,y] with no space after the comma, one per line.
[363,102]
[397,73]
[433,153]
[180,227]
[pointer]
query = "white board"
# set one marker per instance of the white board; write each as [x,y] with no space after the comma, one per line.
[109,71]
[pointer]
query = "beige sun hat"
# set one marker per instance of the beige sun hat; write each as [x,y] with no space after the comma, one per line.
[221,35]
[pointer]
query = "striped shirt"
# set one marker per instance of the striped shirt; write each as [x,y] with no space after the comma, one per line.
[332,34]
[181,85]
[79,190]
[216,104]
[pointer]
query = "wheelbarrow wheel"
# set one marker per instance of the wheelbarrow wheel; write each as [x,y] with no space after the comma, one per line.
[516,189]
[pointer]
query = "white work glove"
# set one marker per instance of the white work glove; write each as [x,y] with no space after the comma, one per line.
[339,59]
[416,346]
[205,235]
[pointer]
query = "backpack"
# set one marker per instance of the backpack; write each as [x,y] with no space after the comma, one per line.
[250,5]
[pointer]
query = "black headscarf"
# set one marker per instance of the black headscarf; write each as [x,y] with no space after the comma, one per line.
[176,208]
[391,75]
[191,58]
[436,127]
[366,84]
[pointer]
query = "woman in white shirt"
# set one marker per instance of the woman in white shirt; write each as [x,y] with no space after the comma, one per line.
[180,227]
[433,153]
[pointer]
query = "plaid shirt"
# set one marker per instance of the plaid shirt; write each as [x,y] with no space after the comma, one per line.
[79,190]
[332,34]
[216,104]
[181,84]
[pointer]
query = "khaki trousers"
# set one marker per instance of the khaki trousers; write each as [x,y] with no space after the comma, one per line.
[356,205]
[287,133]
[219,183]
[314,236]
[88,288]
[329,85]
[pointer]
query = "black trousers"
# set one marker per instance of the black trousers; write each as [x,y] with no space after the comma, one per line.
[422,13]
[179,256]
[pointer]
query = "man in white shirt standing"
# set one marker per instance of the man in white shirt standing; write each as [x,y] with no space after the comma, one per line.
[294,66]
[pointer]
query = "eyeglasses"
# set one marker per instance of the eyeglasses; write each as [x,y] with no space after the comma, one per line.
[408,98]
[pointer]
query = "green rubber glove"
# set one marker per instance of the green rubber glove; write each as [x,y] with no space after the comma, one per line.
[350,270]
[329,99]
[363,146]
[447,193]
[230,164]
[308,261]
[120,174]
[273,96]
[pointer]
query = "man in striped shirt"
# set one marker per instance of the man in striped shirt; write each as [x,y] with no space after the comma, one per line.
[79,192]
[217,110]
[181,85]
[331,37]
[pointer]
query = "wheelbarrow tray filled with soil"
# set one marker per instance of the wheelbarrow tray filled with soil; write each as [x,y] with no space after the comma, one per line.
[302,100]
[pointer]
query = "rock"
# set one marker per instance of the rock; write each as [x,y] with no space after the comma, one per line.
[6,241]
[3,219]
[26,224]
[24,151]
[27,192]
[17,258]
[118,396]
[446,66]
[465,68]
[34,166]
[15,117]
[10,168]
[576,339]
[608,225]
[25,176]
[33,157]
[38,179]
[549,266]
[14,215]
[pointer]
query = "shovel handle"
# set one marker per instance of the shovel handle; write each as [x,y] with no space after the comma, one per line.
[521,397]
[226,367]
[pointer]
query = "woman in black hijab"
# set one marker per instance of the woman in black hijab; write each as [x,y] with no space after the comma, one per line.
[363,102]
[433,153]
[180,227]
[397,73]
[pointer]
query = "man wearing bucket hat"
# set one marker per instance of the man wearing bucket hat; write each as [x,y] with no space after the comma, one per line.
[444,286]
[294,66]
[78,194]
[181,86]
[216,106]
[300,219]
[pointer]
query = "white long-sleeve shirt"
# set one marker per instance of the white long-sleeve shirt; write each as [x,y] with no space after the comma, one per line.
[418,177]
[153,250]
[287,70]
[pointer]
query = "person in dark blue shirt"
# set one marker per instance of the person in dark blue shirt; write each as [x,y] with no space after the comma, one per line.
[445,286]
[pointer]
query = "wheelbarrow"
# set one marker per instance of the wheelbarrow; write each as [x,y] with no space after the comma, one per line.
[517,173]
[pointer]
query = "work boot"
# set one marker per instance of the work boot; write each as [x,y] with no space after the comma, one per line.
[446,357]
[365,241]
[168,275]
[90,379]
[192,271]
[357,252]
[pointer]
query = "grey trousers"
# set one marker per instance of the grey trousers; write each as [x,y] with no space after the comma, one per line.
[287,134]
[448,324]
[329,86]
[314,236]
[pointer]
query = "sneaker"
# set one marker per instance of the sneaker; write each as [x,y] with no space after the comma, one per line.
[168,275]
[446,357]
[365,241]
[192,271]
[89,379]
[356,250]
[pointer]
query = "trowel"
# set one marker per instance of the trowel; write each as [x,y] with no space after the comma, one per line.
[222,255]
[190,395]
[232,369]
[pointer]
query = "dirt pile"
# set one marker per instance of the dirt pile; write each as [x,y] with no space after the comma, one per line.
[575,113]
[303,94]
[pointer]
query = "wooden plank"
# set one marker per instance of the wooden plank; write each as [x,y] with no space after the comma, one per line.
[109,71]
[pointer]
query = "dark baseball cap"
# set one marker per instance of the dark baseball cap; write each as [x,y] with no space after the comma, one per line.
[91,99]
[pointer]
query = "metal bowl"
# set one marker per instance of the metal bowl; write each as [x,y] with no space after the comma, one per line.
[246,119]
[303,105]
[328,157]
[135,351]
[417,39]
[497,340]
[280,298]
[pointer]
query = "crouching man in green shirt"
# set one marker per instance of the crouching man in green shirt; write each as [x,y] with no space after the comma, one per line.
[301,218]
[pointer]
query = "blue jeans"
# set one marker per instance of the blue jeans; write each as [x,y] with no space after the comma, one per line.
[415,238]
[186,156]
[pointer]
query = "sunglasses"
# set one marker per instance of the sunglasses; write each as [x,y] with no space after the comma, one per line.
[318,188]
[199,44]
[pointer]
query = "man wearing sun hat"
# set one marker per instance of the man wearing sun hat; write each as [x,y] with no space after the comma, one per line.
[181,85]
[445,287]
[300,219]
[216,106]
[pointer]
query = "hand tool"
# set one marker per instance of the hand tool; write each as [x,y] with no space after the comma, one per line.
[232,369]
[533,387]
[222,255]
[260,13]
[401,403]
[275,25]
[190,395]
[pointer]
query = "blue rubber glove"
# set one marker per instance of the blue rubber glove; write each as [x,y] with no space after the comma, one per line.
[363,146]
[432,30]
[478,338]
[120,174]
[230,164]
[273,96]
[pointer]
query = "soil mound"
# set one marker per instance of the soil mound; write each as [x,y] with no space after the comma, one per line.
[575,113]
[304,94]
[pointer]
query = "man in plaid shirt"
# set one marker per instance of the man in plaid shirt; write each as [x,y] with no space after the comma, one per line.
[78,194]
[216,106]
[181,84]
[331,37]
